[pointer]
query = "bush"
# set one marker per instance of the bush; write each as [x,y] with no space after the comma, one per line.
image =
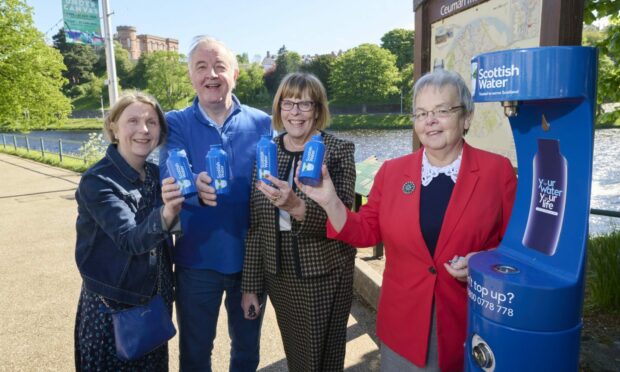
[603,278]
[94,149]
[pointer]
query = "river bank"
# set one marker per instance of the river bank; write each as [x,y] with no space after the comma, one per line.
[339,122]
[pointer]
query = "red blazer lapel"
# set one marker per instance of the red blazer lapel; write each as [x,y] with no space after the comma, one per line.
[412,173]
[461,195]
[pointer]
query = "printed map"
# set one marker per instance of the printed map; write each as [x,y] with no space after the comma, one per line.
[491,26]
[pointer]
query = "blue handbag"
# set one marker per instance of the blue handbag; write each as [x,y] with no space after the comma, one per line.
[142,329]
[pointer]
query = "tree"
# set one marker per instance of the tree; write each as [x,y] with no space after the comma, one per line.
[405,86]
[167,79]
[286,62]
[609,54]
[124,65]
[400,42]
[364,74]
[250,87]
[321,66]
[243,59]
[30,72]
[136,79]
[79,59]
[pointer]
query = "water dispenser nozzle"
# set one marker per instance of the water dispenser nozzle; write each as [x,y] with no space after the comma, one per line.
[510,108]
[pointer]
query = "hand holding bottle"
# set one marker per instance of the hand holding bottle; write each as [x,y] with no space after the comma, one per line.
[173,199]
[282,196]
[206,192]
[324,194]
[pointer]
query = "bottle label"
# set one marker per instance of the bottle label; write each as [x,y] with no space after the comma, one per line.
[307,167]
[220,175]
[180,171]
[311,154]
[548,195]
[264,159]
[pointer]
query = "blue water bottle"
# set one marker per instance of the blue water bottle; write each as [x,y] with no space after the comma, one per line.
[311,161]
[266,159]
[178,167]
[217,166]
[544,222]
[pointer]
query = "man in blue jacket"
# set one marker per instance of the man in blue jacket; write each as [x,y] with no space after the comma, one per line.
[209,255]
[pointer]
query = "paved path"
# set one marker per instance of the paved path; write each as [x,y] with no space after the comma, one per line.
[40,283]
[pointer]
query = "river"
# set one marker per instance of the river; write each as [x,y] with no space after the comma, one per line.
[386,144]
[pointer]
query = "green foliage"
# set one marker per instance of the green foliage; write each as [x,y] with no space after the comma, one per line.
[596,9]
[608,92]
[136,79]
[250,87]
[81,124]
[321,67]
[603,280]
[30,72]
[406,86]
[286,62]
[79,59]
[608,42]
[365,74]
[93,149]
[243,59]
[124,65]
[400,42]
[167,79]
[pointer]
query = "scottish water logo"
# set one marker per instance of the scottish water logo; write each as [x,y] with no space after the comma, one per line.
[179,168]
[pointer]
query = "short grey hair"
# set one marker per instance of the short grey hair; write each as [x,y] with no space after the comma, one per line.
[440,78]
[208,40]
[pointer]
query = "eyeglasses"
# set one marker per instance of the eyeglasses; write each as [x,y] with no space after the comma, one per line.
[440,113]
[301,105]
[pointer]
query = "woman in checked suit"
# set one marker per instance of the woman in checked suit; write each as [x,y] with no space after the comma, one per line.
[308,277]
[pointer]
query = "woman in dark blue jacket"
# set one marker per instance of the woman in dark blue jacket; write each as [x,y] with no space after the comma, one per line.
[123,234]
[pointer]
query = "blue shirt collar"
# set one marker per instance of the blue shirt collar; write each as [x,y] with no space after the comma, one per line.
[236,106]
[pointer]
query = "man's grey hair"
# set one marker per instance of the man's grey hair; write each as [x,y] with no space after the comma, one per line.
[440,78]
[208,40]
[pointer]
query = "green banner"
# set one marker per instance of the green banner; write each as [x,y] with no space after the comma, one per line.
[82,24]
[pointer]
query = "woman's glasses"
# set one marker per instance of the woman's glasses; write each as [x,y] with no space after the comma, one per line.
[439,113]
[301,105]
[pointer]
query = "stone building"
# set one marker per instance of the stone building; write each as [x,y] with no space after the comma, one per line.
[138,44]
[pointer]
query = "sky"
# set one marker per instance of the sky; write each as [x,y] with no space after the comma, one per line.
[252,26]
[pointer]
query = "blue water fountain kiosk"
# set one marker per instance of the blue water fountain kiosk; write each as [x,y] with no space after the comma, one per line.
[525,298]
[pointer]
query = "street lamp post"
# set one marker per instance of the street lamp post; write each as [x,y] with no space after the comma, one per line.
[109,53]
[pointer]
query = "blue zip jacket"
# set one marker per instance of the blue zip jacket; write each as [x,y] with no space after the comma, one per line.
[214,237]
[118,231]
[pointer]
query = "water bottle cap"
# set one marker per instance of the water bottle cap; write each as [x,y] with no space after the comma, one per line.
[216,146]
[317,137]
[177,151]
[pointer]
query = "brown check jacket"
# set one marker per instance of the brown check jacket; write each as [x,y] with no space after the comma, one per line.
[314,253]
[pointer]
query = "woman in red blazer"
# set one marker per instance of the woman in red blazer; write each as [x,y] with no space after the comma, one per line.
[432,209]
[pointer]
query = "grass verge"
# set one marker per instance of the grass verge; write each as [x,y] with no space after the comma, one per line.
[76,165]
[603,273]
[79,124]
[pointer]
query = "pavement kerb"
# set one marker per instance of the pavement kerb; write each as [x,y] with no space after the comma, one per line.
[367,283]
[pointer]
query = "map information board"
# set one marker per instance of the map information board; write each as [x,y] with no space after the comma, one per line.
[490,26]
